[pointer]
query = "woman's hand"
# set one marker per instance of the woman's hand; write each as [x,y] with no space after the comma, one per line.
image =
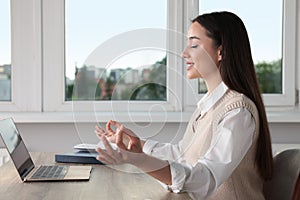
[110,134]
[111,156]
[129,145]
[132,143]
[131,152]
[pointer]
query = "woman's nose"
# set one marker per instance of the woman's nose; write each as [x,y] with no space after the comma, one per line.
[184,53]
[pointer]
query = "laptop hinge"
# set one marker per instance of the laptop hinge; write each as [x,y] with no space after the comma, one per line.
[26,172]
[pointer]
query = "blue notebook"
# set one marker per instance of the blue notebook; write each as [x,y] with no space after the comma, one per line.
[83,157]
[84,153]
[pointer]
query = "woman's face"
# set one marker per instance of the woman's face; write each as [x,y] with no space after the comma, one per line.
[201,57]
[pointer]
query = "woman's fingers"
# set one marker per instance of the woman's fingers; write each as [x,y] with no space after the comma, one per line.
[119,139]
[127,131]
[109,153]
[99,130]
[107,146]
[128,144]
[133,143]
[104,157]
[112,123]
[123,137]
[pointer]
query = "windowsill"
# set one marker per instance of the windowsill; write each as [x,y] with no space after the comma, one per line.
[86,117]
[283,116]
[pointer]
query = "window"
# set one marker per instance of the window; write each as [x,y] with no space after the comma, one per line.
[5,59]
[265,33]
[111,58]
[135,74]
[268,29]
[21,71]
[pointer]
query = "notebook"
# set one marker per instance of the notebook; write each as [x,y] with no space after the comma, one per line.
[91,147]
[24,165]
[84,153]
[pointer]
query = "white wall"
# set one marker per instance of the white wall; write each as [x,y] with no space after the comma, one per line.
[60,137]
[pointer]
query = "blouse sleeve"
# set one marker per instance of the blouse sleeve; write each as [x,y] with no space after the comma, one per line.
[165,151]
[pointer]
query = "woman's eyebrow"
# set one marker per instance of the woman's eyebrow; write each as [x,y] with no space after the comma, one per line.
[193,37]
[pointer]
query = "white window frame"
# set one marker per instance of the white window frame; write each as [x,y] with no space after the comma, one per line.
[287,98]
[297,55]
[53,61]
[271,101]
[26,62]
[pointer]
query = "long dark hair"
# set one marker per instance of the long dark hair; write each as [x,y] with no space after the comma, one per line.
[238,73]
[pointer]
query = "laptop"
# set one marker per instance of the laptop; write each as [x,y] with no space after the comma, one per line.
[23,163]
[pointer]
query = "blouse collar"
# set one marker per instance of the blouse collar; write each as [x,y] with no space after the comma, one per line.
[208,100]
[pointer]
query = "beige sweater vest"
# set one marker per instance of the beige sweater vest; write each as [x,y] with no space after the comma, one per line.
[245,182]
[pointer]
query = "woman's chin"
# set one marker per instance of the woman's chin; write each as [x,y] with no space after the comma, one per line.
[193,76]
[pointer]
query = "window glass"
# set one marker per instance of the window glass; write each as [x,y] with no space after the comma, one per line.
[98,29]
[5,58]
[263,21]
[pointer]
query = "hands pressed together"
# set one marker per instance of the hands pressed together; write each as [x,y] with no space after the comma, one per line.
[129,145]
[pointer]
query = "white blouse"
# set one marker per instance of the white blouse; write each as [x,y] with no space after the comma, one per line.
[229,145]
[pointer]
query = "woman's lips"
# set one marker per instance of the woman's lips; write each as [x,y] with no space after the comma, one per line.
[189,65]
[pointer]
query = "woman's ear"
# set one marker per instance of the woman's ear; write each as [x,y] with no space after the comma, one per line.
[220,53]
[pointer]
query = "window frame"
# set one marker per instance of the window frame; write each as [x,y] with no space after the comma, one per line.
[287,98]
[53,61]
[25,57]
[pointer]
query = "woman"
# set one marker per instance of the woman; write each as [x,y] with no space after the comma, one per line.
[226,150]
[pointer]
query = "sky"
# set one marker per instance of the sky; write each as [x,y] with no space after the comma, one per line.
[5,56]
[102,23]
[263,21]
[90,23]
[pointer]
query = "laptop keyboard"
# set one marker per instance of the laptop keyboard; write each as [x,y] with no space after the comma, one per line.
[50,172]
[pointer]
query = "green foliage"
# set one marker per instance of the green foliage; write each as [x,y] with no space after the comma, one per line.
[69,92]
[153,89]
[149,91]
[270,76]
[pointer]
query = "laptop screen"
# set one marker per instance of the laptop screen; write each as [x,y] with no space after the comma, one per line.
[15,146]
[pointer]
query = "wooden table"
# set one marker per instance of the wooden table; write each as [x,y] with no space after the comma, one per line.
[105,183]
